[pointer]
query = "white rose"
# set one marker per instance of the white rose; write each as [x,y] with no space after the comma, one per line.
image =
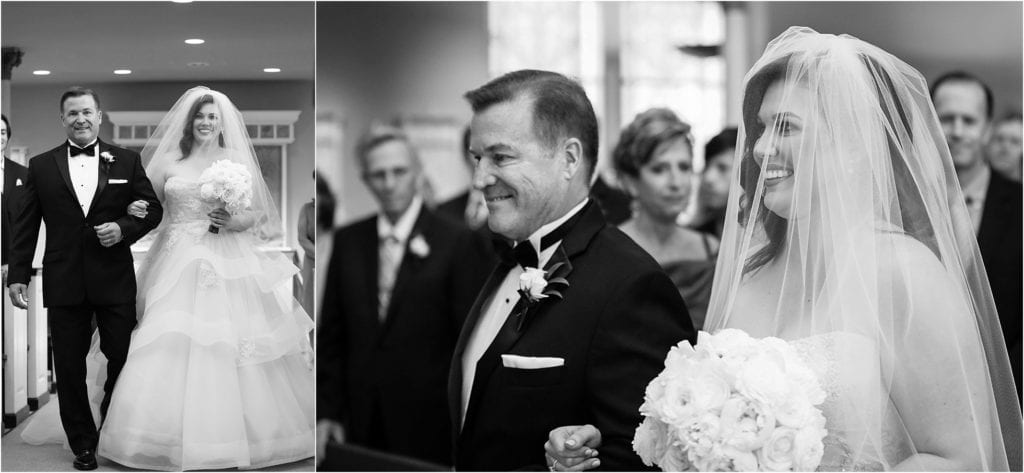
[778,452]
[739,460]
[746,425]
[674,459]
[419,247]
[709,389]
[650,441]
[808,448]
[676,405]
[533,283]
[763,379]
[701,434]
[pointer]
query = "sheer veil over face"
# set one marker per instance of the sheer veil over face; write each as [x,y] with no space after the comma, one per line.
[183,130]
[846,225]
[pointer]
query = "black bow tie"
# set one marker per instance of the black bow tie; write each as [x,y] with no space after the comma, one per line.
[523,254]
[88,150]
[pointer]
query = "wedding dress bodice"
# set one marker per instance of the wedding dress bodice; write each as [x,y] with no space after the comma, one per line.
[186,213]
[848,368]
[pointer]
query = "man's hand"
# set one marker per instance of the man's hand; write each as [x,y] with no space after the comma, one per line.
[109,234]
[139,209]
[326,431]
[19,295]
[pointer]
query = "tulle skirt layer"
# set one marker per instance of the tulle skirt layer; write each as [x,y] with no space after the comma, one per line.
[219,373]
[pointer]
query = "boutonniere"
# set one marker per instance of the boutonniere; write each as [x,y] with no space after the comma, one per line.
[536,285]
[107,158]
[419,247]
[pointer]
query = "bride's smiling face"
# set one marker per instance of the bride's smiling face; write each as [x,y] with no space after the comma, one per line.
[206,123]
[785,119]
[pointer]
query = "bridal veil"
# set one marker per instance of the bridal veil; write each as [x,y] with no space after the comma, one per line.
[846,218]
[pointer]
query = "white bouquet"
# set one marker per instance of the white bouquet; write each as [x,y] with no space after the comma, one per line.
[226,182]
[733,403]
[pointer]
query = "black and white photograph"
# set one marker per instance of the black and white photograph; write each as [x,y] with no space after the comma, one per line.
[158,237]
[687,236]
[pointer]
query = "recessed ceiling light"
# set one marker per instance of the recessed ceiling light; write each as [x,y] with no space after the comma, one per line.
[198,64]
[122,72]
[182,1]
[41,72]
[195,41]
[272,69]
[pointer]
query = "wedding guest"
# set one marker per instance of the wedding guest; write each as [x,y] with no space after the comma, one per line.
[615,204]
[307,240]
[398,287]
[14,176]
[964,107]
[713,194]
[581,345]
[1004,148]
[654,159]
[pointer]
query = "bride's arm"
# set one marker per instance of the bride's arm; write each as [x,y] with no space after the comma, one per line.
[940,386]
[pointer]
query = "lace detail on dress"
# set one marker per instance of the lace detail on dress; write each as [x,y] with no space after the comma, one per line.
[820,352]
[186,216]
[207,275]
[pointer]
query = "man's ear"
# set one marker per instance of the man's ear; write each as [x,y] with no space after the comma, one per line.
[572,152]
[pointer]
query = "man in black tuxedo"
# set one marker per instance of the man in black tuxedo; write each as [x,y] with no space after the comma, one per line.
[964,105]
[398,287]
[81,190]
[581,347]
[15,176]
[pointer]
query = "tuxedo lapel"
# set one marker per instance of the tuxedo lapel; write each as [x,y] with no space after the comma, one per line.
[590,221]
[60,158]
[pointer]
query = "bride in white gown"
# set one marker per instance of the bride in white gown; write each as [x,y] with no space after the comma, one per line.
[219,373]
[847,235]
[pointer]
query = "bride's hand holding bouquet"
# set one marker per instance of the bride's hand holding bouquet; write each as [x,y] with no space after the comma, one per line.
[229,184]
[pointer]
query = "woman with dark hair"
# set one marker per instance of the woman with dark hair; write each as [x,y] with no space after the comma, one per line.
[847,237]
[713,196]
[654,160]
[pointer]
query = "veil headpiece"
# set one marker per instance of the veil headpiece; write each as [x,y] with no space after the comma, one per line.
[846,225]
[165,147]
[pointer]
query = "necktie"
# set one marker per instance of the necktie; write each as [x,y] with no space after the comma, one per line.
[88,150]
[389,259]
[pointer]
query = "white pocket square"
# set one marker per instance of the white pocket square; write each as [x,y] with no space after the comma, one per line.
[18,182]
[117,181]
[530,362]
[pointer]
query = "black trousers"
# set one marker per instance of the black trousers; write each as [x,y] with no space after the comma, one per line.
[71,331]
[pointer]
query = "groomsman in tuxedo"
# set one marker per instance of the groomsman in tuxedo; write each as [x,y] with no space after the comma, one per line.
[14,179]
[574,344]
[81,190]
[964,105]
[398,287]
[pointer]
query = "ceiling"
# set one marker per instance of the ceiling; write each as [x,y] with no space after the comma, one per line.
[86,41]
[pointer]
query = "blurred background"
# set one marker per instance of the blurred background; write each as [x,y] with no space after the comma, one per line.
[409,64]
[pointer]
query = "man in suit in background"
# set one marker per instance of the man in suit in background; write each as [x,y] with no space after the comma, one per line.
[14,176]
[397,290]
[578,341]
[81,190]
[964,105]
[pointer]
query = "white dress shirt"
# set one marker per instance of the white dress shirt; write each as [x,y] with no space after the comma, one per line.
[85,173]
[498,308]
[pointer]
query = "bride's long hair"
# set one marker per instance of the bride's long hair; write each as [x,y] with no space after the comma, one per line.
[846,229]
[172,141]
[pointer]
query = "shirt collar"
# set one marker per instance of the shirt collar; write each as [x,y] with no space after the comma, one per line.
[404,225]
[535,238]
[977,187]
